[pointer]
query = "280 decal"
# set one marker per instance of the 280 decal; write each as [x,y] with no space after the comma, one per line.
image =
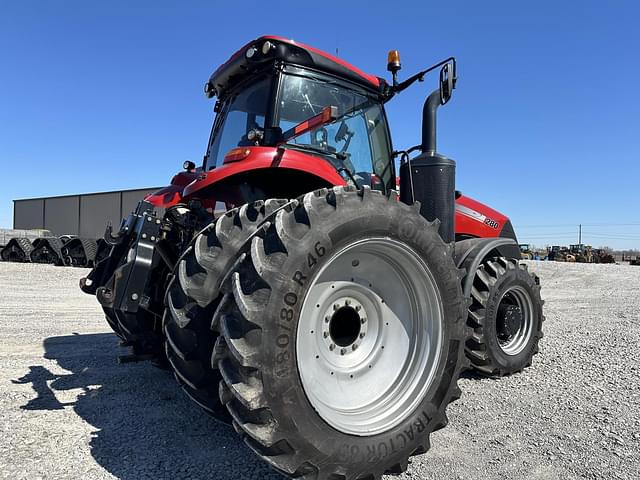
[491,223]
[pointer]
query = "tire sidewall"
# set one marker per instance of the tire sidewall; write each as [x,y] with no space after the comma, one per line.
[512,278]
[283,387]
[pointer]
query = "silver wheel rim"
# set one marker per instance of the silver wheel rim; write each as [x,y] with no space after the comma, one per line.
[515,339]
[369,336]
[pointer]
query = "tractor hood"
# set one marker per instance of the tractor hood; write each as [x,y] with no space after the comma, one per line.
[475,219]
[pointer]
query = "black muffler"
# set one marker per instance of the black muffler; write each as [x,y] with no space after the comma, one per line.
[430,178]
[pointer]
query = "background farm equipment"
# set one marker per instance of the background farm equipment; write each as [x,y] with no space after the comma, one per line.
[526,253]
[579,253]
[560,254]
[17,250]
[80,252]
[582,253]
[47,250]
[601,255]
[66,250]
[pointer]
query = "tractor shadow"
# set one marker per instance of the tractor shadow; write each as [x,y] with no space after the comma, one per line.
[145,427]
[471,374]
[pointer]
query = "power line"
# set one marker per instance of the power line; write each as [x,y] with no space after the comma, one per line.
[558,225]
[583,233]
[611,224]
[597,225]
[616,237]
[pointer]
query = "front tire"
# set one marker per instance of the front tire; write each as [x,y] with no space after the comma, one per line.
[324,253]
[506,317]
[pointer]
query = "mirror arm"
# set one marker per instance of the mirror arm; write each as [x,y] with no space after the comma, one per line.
[347,141]
[420,76]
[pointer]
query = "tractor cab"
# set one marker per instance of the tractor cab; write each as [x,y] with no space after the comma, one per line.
[270,93]
[577,248]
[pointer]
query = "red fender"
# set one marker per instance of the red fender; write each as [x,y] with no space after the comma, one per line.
[245,159]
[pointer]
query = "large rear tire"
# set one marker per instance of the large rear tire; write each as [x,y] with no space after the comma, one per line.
[337,277]
[193,297]
[506,317]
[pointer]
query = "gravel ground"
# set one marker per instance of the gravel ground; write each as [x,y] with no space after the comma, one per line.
[67,410]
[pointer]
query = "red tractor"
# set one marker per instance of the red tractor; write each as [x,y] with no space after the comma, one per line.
[323,314]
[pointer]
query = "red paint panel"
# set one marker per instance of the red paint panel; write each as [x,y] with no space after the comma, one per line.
[477,219]
[370,78]
[172,194]
[165,197]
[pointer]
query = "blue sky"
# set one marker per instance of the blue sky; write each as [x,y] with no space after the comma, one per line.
[544,123]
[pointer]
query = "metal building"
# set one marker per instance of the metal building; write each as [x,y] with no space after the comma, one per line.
[85,215]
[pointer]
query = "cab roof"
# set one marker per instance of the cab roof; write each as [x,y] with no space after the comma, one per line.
[251,58]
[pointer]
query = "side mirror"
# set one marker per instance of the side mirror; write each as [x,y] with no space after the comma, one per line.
[342,132]
[447,82]
[344,135]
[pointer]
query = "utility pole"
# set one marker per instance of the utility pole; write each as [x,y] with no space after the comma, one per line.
[580,234]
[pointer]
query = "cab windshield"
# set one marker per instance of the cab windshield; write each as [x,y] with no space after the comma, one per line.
[242,113]
[359,134]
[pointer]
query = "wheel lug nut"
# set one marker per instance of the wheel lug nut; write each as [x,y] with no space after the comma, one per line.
[336,306]
[358,308]
[363,320]
[347,302]
[343,351]
[327,319]
[361,334]
[354,346]
[325,334]
[332,347]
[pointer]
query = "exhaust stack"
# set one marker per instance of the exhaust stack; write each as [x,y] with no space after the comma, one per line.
[429,178]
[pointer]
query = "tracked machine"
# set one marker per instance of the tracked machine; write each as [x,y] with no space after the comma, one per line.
[17,250]
[323,314]
[47,250]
